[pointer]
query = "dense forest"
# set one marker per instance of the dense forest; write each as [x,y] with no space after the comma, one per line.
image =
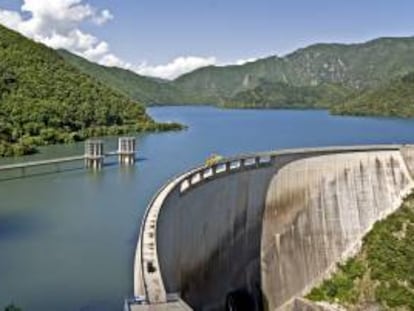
[45,100]
[282,95]
[357,67]
[394,99]
[140,88]
[381,276]
[391,99]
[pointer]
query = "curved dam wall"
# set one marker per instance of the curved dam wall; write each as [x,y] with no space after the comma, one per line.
[209,238]
[317,211]
[264,228]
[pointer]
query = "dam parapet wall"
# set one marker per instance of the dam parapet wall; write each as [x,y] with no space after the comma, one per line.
[260,229]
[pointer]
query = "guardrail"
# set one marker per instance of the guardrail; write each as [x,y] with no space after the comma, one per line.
[224,168]
[40,163]
[56,161]
[146,263]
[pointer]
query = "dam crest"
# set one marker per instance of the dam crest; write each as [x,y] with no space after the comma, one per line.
[258,230]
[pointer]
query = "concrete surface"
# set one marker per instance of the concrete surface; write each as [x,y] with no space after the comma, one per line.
[263,233]
[317,211]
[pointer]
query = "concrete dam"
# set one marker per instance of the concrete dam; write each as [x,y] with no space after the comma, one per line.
[255,231]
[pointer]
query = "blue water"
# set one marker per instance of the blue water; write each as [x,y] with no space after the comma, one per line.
[67,240]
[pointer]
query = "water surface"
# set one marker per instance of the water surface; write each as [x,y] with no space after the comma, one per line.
[67,240]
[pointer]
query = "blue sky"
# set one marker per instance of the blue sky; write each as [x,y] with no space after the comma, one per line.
[148,33]
[230,29]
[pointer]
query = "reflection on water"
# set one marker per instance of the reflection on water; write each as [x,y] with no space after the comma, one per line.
[67,240]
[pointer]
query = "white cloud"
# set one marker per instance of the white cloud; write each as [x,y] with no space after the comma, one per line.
[57,24]
[245,61]
[176,67]
[102,18]
[182,65]
[10,19]
[112,61]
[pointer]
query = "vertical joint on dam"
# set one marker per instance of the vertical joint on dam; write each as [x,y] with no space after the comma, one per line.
[126,150]
[94,154]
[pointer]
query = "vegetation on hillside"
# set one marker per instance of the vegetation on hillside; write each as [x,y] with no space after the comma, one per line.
[343,78]
[282,95]
[356,66]
[395,99]
[382,274]
[44,100]
[144,89]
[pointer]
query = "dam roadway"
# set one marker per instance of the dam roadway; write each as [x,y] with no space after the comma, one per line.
[259,230]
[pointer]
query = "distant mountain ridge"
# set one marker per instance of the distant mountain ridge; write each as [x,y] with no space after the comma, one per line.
[358,66]
[334,76]
[320,75]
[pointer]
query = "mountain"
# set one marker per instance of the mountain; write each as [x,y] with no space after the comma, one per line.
[394,99]
[356,66]
[321,75]
[144,89]
[45,100]
[49,96]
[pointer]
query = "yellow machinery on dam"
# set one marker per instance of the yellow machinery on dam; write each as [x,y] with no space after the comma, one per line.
[255,231]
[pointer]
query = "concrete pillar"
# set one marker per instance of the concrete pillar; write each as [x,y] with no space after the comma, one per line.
[94,154]
[126,150]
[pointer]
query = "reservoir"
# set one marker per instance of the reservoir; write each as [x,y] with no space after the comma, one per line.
[67,240]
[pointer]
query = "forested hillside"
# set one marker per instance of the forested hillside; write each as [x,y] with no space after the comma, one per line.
[144,89]
[44,100]
[394,99]
[340,77]
[356,66]
[283,95]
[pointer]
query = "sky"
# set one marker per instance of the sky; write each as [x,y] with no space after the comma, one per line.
[166,38]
